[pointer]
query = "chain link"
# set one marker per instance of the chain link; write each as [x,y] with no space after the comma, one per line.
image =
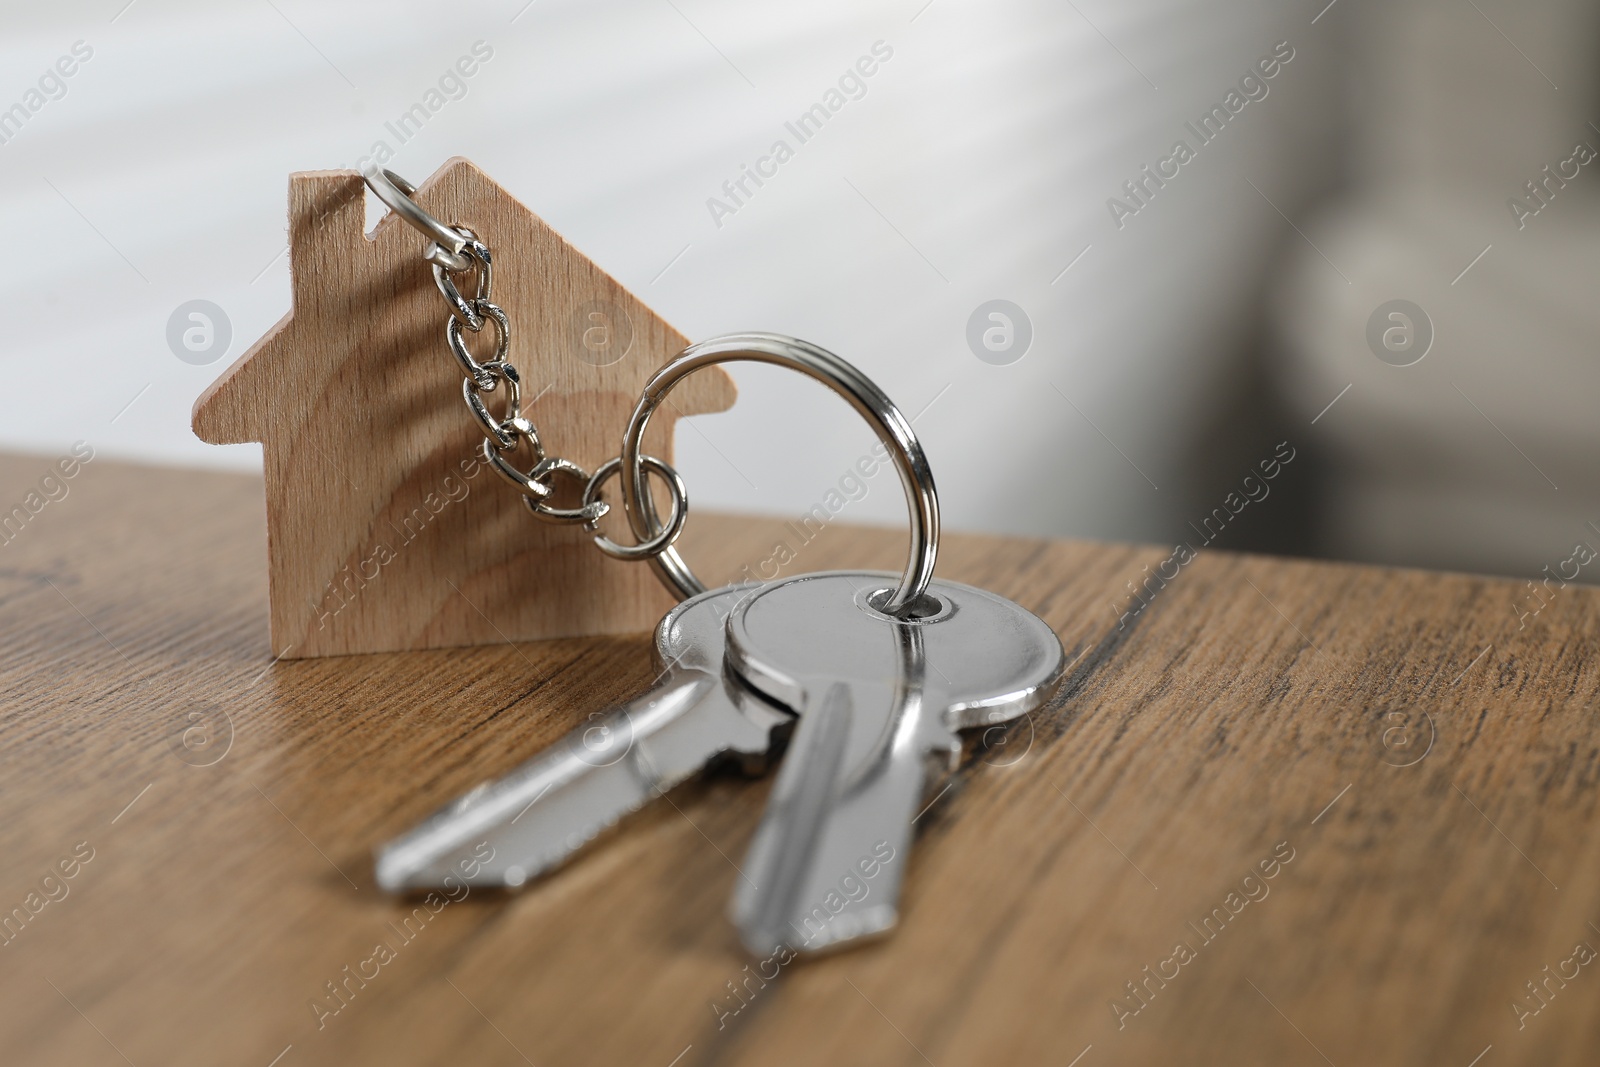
[667,533]
[505,434]
[505,431]
[476,253]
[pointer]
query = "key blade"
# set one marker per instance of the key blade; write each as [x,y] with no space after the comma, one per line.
[785,844]
[966,658]
[526,824]
[847,859]
[590,779]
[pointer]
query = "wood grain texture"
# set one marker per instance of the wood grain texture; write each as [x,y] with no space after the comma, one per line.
[372,456]
[1248,709]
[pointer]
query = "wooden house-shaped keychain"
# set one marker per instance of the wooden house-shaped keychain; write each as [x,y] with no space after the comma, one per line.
[386,530]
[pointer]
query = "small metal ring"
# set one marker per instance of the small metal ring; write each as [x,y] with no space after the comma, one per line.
[505,431]
[661,542]
[591,510]
[397,193]
[456,262]
[458,345]
[450,261]
[468,311]
[527,484]
[892,428]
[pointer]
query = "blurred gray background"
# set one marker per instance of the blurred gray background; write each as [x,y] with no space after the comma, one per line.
[1189,314]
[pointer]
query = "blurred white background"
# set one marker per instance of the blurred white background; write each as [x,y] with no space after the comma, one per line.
[1170,352]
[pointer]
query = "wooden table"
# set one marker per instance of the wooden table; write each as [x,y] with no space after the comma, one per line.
[1416,773]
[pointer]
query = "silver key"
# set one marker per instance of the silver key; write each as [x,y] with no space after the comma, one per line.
[879,700]
[543,812]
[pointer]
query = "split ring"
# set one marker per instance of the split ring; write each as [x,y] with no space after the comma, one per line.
[396,194]
[660,540]
[892,428]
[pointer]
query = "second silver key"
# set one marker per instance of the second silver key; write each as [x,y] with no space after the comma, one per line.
[540,814]
[880,699]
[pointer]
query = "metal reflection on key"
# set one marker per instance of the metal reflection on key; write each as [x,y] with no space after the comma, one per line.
[880,700]
[543,812]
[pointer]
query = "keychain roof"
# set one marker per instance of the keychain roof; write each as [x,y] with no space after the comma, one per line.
[384,531]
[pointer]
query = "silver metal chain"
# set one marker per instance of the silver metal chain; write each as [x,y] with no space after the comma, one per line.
[455,253]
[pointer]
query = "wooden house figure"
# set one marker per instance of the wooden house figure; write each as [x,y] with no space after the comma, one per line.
[385,528]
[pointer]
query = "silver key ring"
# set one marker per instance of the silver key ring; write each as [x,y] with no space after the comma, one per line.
[887,422]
